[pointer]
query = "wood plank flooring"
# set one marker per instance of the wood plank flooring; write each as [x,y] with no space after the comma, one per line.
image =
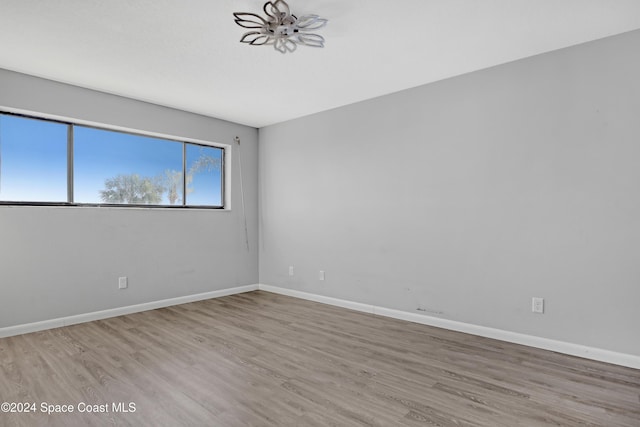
[261,359]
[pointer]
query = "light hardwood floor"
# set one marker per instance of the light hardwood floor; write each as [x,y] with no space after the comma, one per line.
[260,359]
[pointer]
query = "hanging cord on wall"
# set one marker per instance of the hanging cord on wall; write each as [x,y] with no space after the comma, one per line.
[244,212]
[0,154]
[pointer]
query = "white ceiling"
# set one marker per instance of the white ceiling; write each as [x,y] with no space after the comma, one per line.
[185,53]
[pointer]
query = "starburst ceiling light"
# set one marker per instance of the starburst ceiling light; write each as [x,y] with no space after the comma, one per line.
[280,28]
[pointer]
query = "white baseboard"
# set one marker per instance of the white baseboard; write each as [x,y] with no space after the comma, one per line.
[120,311]
[608,356]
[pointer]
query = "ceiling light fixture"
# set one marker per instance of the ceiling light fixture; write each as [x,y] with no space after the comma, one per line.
[281,29]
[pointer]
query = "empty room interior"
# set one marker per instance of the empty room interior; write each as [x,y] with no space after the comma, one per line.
[320,213]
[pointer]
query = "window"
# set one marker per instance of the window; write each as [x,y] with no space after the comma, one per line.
[204,183]
[33,160]
[44,162]
[120,168]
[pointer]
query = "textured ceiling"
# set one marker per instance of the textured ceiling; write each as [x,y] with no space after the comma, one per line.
[185,53]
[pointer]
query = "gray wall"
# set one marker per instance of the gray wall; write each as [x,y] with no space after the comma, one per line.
[57,262]
[470,196]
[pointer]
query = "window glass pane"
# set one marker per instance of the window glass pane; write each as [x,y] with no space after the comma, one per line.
[33,160]
[204,175]
[120,168]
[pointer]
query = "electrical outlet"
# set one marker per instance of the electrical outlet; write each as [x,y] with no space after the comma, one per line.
[321,275]
[291,270]
[537,305]
[123,283]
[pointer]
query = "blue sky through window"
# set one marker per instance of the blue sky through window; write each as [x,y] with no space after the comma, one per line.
[100,155]
[205,187]
[33,164]
[33,160]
